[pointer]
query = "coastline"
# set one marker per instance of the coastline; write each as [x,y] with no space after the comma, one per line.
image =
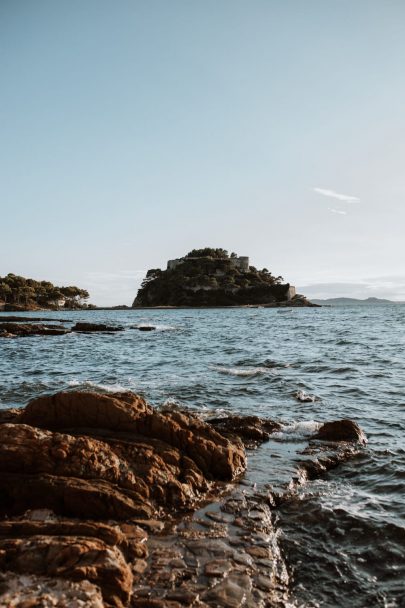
[131,308]
[186,526]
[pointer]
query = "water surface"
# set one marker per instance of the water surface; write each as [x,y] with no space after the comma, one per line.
[344,536]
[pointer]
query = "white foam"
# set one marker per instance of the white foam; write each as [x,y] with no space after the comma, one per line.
[243,371]
[305,397]
[108,388]
[157,327]
[297,430]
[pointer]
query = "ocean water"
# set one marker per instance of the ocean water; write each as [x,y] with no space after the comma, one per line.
[343,535]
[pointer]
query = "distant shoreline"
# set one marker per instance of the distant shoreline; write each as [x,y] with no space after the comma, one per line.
[129,308]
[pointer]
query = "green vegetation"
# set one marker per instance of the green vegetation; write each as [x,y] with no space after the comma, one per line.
[28,293]
[209,252]
[210,277]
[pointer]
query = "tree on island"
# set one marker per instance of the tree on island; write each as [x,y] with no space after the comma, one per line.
[208,252]
[19,291]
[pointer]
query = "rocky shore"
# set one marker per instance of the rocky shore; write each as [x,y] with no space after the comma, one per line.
[106,501]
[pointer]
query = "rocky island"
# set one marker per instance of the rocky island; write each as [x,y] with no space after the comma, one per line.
[212,277]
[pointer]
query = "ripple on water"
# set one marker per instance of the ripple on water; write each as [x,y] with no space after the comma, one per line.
[343,535]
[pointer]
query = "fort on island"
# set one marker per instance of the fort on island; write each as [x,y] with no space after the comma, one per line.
[240,262]
[212,277]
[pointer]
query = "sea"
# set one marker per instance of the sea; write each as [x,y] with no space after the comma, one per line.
[343,536]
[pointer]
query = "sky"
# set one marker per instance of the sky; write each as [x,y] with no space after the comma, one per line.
[134,131]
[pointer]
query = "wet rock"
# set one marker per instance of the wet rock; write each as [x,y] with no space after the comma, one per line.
[248,428]
[219,567]
[31,329]
[259,552]
[117,457]
[341,430]
[28,591]
[16,319]
[106,478]
[145,327]
[231,593]
[151,525]
[305,397]
[72,558]
[91,327]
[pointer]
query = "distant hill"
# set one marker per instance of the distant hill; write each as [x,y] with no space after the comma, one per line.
[353,301]
[212,277]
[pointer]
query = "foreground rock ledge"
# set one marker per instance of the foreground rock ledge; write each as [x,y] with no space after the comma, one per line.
[88,482]
[93,465]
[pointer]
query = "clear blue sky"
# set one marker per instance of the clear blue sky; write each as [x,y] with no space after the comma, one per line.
[133,131]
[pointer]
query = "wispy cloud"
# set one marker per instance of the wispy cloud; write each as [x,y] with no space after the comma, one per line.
[346,198]
[338,211]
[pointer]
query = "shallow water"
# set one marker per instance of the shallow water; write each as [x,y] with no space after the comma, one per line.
[344,535]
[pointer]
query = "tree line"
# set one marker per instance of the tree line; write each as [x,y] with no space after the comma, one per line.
[20,291]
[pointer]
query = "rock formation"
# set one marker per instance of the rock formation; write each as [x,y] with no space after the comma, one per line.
[98,498]
[210,277]
[18,329]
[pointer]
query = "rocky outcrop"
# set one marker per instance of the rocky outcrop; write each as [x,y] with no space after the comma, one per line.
[11,330]
[90,327]
[341,430]
[14,329]
[251,429]
[92,487]
[188,437]
[89,465]
[28,591]
[31,319]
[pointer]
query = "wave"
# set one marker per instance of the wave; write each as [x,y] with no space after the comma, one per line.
[305,397]
[269,363]
[297,430]
[106,388]
[247,372]
[157,327]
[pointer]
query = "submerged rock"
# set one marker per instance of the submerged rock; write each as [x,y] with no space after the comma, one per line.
[251,429]
[305,397]
[31,329]
[90,327]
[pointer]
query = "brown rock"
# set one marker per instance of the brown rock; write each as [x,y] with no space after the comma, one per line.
[91,466]
[248,428]
[10,415]
[341,430]
[214,455]
[70,496]
[28,591]
[76,409]
[72,558]
[129,538]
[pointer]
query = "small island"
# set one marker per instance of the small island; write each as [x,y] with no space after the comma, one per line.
[212,277]
[21,294]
